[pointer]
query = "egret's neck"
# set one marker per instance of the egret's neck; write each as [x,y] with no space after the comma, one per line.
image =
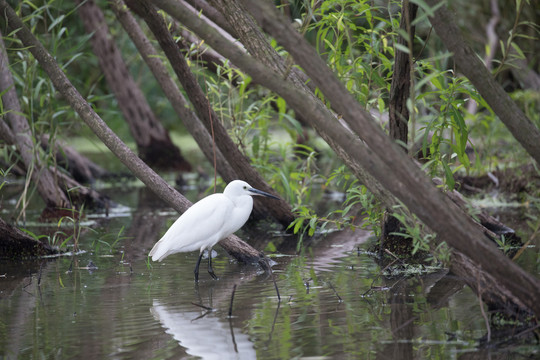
[245,202]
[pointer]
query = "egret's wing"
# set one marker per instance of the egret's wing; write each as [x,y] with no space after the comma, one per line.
[200,226]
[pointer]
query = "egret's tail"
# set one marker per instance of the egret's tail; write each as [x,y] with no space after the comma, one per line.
[158,252]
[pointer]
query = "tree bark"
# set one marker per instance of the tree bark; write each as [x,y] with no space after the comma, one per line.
[48,186]
[213,14]
[521,127]
[153,142]
[257,44]
[482,283]
[233,245]
[385,161]
[197,50]
[281,71]
[400,87]
[280,210]
[53,186]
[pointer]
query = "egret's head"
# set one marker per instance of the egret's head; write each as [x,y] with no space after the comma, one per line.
[239,188]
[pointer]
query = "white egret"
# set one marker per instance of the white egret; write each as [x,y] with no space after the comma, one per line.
[207,222]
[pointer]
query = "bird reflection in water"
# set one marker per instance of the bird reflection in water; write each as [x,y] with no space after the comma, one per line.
[203,336]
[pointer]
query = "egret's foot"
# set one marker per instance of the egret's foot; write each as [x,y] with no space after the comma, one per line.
[210,269]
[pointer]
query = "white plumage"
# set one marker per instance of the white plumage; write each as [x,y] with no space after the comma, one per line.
[207,222]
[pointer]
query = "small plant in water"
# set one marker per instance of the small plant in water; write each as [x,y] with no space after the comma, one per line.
[110,244]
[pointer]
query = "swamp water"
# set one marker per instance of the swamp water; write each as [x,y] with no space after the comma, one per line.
[107,302]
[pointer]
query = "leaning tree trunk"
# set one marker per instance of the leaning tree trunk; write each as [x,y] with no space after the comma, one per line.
[213,14]
[153,143]
[48,187]
[233,245]
[195,48]
[257,44]
[401,83]
[280,210]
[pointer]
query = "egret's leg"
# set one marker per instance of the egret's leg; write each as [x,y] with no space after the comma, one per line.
[196,271]
[210,270]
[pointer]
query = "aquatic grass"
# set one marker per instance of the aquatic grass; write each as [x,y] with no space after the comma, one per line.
[111,241]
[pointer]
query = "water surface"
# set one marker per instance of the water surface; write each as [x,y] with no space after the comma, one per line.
[108,301]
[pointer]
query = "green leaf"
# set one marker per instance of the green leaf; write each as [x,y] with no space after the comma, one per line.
[448,175]
[281,105]
[518,50]
[56,21]
[461,132]
[298,225]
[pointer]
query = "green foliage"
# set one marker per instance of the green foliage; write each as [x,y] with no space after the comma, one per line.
[243,110]
[445,135]
[503,244]
[359,202]
[356,40]
[414,230]
[51,23]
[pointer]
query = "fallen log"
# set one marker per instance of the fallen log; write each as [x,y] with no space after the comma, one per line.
[17,245]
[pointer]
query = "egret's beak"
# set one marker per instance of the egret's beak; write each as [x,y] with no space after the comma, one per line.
[262,193]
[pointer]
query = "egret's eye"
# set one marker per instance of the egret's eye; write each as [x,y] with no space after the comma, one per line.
[245,187]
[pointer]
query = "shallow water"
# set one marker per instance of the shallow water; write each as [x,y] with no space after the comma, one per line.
[109,302]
